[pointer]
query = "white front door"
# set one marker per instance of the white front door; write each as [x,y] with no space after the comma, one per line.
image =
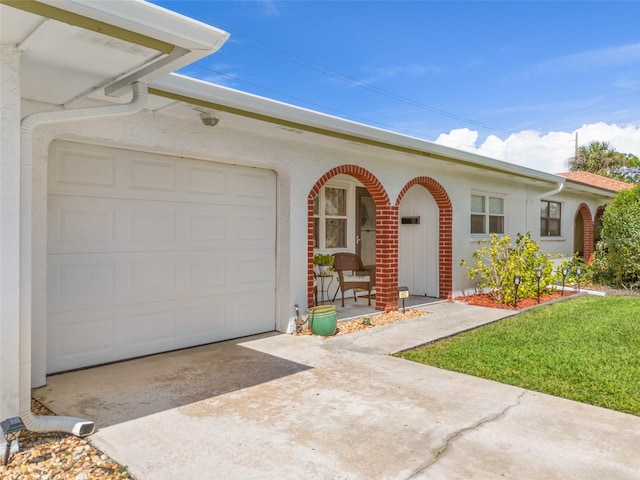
[418,242]
[150,253]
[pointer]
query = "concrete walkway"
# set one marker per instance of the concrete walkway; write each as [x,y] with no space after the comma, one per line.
[288,407]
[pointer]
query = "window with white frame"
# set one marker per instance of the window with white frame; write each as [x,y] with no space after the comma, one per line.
[330,221]
[487,214]
[550,218]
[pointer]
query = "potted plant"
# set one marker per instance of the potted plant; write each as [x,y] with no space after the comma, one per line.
[324,261]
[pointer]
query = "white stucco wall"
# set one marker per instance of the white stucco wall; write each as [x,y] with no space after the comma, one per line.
[299,161]
[9,231]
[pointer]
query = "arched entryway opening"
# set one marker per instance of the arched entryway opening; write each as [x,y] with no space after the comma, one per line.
[597,226]
[437,232]
[583,232]
[386,235]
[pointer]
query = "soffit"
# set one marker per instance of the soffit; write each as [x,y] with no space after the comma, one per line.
[66,55]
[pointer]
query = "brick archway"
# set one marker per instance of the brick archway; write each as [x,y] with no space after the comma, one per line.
[386,235]
[584,213]
[445,236]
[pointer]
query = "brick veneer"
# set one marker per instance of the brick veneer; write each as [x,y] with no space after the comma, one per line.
[587,229]
[445,238]
[385,243]
[387,234]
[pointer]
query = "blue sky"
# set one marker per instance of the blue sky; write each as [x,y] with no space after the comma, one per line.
[510,80]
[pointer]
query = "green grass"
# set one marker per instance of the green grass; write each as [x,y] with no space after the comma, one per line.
[586,349]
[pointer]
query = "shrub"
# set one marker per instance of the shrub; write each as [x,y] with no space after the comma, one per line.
[617,259]
[498,261]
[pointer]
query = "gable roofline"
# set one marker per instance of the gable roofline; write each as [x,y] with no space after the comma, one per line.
[198,92]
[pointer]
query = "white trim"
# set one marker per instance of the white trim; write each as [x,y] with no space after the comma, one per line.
[208,92]
[150,20]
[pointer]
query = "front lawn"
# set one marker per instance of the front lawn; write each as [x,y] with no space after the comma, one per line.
[585,349]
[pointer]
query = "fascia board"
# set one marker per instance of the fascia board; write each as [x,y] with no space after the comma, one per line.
[216,96]
[150,20]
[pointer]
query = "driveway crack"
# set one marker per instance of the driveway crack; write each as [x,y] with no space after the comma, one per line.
[459,433]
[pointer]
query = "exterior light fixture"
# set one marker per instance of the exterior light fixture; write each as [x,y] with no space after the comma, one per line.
[578,273]
[565,272]
[517,280]
[11,428]
[538,277]
[403,292]
[208,119]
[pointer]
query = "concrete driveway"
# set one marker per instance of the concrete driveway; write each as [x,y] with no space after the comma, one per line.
[285,407]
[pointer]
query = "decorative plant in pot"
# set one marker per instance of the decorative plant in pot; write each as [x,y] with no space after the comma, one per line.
[324,261]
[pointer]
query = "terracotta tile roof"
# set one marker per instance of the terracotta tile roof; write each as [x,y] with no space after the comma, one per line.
[597,181]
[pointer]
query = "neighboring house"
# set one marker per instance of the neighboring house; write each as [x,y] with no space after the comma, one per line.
[186,212]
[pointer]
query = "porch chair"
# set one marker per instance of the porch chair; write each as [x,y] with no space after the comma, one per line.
[352,274]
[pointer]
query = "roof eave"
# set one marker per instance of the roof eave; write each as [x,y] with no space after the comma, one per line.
[182,40]
[150,20]
[583,187]
[190,90]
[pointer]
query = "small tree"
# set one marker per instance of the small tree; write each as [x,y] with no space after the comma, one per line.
[617,257]
[498,261]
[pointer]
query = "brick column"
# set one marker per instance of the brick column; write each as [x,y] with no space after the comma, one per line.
[387,258]
[386,235]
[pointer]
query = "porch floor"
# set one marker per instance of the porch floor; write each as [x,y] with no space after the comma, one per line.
[353,309]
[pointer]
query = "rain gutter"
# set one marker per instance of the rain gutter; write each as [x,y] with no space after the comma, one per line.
[76,426]
[216,97]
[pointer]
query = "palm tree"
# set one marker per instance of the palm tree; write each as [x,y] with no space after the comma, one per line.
[599,158]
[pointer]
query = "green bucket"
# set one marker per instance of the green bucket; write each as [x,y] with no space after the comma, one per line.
[323,320]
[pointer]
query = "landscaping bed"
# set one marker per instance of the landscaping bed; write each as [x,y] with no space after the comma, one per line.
[485,300]
[375,320]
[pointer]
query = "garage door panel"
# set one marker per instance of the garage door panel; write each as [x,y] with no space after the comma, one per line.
[206,226]
[88,337]
[149,173]
[252,228]
[83,170]
[206,181]
[84,281]
[89,224]
[77,282]
[251,314]
[73,225]
[76,169]
[152,225]
[254,187]
[149,253]
[205,321]
[72,339]
[151,330]
[253,272]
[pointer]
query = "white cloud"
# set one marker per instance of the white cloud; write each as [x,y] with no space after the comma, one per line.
[461,138]
[548,152]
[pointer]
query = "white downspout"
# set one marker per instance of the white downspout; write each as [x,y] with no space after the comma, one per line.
[550,193]
[76,426]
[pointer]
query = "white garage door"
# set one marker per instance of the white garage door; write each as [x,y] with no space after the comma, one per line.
[150,253]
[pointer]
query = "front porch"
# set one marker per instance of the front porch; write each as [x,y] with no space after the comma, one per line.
[359,308]
[349,210]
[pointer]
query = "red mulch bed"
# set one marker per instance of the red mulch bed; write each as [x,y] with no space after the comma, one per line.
[484,300]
